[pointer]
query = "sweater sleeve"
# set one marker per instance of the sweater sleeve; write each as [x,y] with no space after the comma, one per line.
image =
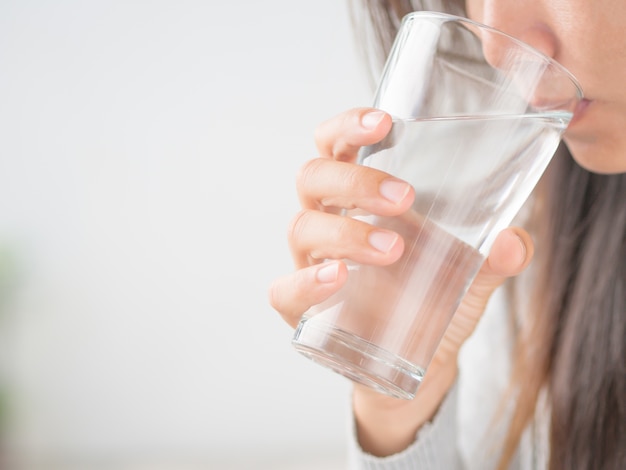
[435,446]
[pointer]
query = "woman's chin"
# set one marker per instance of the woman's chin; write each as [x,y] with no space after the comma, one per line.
[597,157]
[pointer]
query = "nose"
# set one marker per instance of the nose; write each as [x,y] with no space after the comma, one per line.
[524,20]
[543,84]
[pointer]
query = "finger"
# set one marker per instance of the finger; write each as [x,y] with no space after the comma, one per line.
[314,236]
[325,184]
[341,137]
[510,254]
[294,294]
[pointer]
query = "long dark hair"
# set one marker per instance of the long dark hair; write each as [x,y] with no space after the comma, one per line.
[574,346]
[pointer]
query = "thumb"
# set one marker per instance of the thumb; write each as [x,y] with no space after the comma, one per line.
[510,254]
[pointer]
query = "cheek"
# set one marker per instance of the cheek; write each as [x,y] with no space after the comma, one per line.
[474,10]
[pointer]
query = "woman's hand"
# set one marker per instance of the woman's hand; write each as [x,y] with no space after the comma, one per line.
[333,182]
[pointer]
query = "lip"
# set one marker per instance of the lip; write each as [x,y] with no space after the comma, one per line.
[580,110]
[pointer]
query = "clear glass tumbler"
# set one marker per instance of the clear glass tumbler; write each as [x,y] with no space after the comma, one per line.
[477,116]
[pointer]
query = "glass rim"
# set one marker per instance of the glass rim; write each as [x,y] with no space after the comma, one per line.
[460,19]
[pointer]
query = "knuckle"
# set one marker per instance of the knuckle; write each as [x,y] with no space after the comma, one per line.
[325,134]
[298,225]
[339,235]
[307,173]
[354,179]
[343,150]
[319,136]
[345,229]
[334,137]
[273,296]
[341,144]
[283,295]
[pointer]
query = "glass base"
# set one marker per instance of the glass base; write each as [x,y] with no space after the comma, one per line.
[357,359]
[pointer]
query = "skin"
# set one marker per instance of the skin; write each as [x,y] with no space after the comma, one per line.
[587,38]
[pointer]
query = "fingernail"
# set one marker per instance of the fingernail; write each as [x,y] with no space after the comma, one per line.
[382,241]
[394,190]
[521,252]
[327,273]
[372,119]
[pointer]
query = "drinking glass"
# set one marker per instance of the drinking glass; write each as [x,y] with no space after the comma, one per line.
[477,116]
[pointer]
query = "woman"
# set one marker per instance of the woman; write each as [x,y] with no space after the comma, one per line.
[565,402]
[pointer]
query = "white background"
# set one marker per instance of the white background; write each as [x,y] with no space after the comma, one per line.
[147,159]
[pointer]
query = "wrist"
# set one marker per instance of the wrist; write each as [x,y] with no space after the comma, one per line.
[386,425]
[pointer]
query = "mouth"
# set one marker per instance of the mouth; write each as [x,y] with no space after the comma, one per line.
[580,110]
